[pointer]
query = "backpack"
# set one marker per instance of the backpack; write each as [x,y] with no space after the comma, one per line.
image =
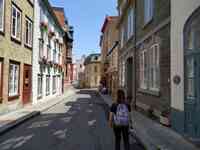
[121,118]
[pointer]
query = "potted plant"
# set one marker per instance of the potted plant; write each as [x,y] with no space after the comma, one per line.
[51,33]
[44,26]
[165,115]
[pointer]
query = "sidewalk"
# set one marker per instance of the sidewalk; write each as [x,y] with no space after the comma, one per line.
[154,136]
[12,119]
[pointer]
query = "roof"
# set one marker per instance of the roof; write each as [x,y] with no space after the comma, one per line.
[50,9]
[60,13]
[92,58]
[107,19]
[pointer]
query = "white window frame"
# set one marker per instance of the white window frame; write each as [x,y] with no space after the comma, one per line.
[143,70]
[122,36]
[14,77]
[40,93]
[148,10]
[16,23]
[3,13]
[156,68]
[54,84]
[130,23]
[149,65]
[29,29]
[48,78]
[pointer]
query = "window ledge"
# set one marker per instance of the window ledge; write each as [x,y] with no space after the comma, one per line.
[39,97]
[2,33]
[11,98]
[28,46]
[31,3]
[147,23]
[150,92]
[16,40]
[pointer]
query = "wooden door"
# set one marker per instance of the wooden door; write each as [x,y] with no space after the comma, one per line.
[27,84]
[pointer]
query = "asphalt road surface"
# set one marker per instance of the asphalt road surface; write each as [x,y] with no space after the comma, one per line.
[77,123]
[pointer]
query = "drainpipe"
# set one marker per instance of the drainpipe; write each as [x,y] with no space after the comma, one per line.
[135,47]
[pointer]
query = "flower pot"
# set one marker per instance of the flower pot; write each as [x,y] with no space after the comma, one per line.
[164,120]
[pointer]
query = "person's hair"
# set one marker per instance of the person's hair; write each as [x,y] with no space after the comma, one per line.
[120,96]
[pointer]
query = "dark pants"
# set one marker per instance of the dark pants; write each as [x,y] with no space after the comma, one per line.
[119,132]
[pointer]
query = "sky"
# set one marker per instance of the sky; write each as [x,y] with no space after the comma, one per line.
[87,18]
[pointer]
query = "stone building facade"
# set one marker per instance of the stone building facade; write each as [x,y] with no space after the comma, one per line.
[80,75]
[126,54]
[92,71]
[16,30]
[47,53]
[185,48]
[153,56]
[109,53]
[144,56]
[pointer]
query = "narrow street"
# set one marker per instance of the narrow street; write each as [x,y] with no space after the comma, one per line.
[77,123]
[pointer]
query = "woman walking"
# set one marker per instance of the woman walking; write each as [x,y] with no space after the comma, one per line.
[119,120]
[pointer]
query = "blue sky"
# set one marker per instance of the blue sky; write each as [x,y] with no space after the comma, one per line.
[87,17]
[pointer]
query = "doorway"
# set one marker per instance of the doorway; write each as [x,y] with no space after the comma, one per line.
[27,84]
[192,75]
[129,78]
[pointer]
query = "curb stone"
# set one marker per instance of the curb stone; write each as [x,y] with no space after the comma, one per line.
[25,118]
[56,103]
[16,123]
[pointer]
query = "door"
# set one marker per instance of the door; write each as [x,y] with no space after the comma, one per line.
[192,77]
[27,84]
[129,78]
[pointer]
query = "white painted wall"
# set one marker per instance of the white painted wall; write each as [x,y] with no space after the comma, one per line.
[181,10]
[36,65]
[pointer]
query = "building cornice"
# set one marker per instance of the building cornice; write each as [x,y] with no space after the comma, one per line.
[156,29]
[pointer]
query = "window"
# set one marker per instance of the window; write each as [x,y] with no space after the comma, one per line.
[28,32]
[1,78]
[141,57]
[150,69]
[41,15]
[130,23]
[156,68]
[122,36]
[39,86]
[95,80]
[13,79]
[148,11]
[1,15]
[95,69]
[16,23]
[54,84]
[47,84]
